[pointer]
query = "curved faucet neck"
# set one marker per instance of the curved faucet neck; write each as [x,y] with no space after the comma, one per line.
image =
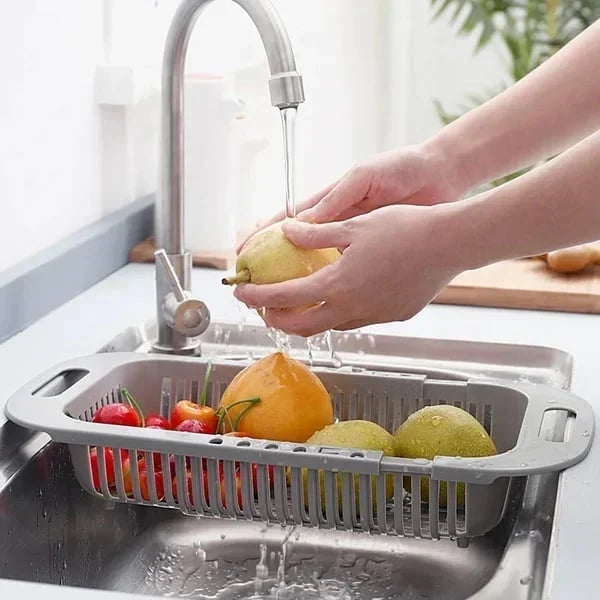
[285,87]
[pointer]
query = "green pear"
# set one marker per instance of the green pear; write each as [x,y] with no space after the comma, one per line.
[442,430]
[363,435]
[269,257]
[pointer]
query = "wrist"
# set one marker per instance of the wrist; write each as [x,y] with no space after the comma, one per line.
[463,233]
[447,157]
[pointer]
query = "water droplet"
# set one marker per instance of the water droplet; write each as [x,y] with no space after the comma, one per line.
[335,359]
[523,465]
[309,346]
[526,580]
[585,434]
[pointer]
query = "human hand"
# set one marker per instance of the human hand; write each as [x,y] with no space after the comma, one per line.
[418,175]
[395,261]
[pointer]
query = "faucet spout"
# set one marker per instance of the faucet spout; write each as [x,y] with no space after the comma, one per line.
[286,91]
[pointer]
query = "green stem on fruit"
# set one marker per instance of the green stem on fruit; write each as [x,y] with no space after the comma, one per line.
[242,276]
[133,403]
[205,385]
[223,413]
[251,403]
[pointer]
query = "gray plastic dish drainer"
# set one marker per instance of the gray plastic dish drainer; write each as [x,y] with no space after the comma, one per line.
[296,483]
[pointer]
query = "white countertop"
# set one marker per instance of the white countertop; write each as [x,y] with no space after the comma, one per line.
[126,298]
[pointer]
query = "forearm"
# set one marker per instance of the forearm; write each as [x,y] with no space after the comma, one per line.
[554,206]
[552,108]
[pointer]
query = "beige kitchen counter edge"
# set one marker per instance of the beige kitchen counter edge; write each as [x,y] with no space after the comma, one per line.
[126,298]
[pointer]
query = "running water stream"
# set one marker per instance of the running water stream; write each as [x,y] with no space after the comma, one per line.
[279,338]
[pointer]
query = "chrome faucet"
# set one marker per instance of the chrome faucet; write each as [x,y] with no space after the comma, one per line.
[180,316]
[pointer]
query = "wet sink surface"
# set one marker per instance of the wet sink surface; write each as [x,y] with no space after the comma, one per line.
[206,559]
[55,533]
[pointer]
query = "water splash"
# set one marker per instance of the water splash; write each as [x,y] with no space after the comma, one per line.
[335,358]
[280,572]
[323,341]
[280,339]
[262,570]
[310,348]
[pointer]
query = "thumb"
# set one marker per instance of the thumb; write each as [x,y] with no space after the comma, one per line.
[313,236]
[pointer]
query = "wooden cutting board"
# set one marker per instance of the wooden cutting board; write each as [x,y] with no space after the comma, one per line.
[144,253]
[527,284]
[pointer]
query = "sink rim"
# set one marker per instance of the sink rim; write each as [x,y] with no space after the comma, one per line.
[553,366]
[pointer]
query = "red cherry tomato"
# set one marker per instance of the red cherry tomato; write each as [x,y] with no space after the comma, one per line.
[270,473]
[158,483]
[157,460]
[117,414]
[143,477]
[193,426]
[109,462]
[237,490]
[189,485]
[124,454]
[185,410]
[157,422]
[156,455]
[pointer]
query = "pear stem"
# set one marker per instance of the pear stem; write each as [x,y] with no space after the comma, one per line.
[241,277]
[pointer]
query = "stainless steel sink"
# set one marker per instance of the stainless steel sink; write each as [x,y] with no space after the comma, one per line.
[53,532]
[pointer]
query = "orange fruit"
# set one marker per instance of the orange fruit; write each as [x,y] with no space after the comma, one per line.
[293,401]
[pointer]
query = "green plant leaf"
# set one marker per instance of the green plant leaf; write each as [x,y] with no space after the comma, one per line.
[530,30]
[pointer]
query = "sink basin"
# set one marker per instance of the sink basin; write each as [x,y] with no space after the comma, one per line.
[53,532]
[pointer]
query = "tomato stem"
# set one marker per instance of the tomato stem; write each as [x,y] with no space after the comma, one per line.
[223,413]
[133,403]
[204,395]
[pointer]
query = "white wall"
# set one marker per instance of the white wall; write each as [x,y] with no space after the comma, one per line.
[427,60]
[49,173]
[371,69]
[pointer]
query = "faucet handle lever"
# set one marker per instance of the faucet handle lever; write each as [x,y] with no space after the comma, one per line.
[163,262]
[187,315]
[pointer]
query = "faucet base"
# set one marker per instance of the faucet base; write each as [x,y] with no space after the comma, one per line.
[193,349]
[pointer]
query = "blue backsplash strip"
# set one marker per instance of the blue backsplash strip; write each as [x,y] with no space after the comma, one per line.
[38,285]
